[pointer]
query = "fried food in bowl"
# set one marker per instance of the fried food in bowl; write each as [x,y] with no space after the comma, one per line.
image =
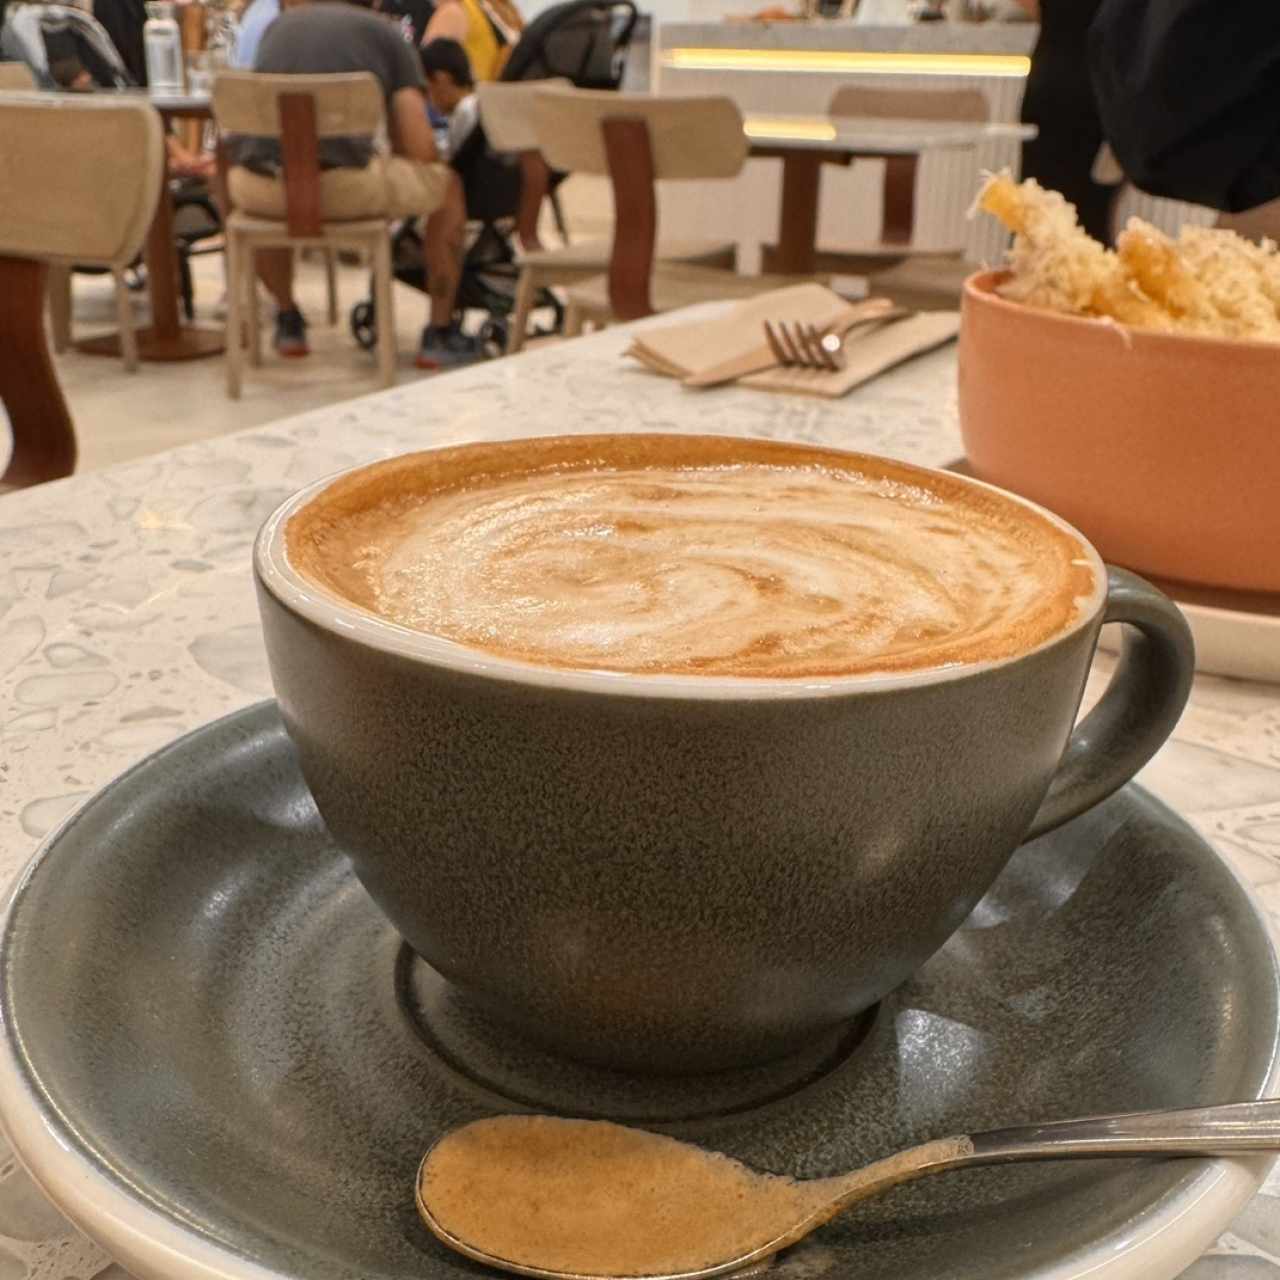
[1135,392]
[1209,281]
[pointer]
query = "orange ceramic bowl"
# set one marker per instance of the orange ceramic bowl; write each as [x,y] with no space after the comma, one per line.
[1163,449]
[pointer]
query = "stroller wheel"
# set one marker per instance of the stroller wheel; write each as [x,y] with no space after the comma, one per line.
[364,324]
[492,337]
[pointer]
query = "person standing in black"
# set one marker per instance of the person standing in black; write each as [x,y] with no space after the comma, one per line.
[123,21]
[1059,100]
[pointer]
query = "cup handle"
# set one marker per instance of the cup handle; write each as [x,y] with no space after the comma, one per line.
[1137,713]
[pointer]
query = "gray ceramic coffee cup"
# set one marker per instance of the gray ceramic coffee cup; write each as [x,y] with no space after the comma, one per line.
[682,873]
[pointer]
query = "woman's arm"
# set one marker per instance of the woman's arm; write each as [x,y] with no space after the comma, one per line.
[410,130]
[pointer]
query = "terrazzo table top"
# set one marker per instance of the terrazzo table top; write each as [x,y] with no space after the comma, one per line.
[127,618]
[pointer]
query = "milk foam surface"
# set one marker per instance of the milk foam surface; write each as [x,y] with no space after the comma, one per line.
[741,569]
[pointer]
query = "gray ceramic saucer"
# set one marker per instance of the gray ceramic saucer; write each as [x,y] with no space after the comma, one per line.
[220,1062]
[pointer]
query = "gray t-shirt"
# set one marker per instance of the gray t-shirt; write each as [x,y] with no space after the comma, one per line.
[321,39]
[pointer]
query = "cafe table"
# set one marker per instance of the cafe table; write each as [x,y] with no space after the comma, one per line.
[127,617]
[166,338]
[805,143]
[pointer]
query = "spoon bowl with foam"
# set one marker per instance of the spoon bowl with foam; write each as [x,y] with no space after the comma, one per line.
[591,1200]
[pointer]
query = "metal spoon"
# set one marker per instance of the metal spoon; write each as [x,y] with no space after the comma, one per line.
[493,1189]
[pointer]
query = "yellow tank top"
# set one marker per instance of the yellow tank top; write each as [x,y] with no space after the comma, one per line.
[483,49]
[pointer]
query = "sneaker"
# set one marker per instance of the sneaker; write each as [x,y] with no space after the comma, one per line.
[446,349]
[291,334]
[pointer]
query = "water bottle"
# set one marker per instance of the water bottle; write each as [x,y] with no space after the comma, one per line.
[163,43]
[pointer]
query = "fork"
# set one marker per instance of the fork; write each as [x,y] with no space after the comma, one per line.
[805,346]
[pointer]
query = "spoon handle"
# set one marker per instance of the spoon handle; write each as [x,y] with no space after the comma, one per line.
[1224,1130]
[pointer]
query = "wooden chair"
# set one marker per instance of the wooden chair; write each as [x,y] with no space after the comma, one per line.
[931,276]
[635,140]
[506,112]
[82,178]
[299,111]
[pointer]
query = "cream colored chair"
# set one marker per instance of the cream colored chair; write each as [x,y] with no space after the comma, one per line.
[636,140]
[15,75]
[917,278]
[62,201]
[506,111]
[299,111]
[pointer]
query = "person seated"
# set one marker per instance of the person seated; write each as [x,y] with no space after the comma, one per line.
[451,91]
[343,36]
[493,185]
[255,18]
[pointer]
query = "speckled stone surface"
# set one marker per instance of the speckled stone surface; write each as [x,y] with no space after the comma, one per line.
[127,617]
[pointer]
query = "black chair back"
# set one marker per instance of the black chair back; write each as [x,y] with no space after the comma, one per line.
[584,41]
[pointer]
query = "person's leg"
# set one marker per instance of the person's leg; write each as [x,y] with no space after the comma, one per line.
[275,270]
[256,194]
[535,179]
[445,228]
[411,187]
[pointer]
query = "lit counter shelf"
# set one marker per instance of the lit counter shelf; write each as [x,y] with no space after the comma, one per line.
[777,68]
[822,49]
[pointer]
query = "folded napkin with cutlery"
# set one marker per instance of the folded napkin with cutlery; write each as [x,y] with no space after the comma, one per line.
[734,347]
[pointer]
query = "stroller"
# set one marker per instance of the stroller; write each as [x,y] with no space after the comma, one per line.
[583,41]
[45,35]
[487,282]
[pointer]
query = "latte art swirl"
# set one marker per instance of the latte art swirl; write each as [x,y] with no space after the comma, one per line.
[741,570]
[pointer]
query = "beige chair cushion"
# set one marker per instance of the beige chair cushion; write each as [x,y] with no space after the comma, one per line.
[673,287]
[586,255]
[390,186]
[79,176]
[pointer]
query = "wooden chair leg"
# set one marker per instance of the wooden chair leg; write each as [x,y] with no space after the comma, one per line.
[235,256]
[60,307]
[249,297]
[573,320]
[383,308]
[331,282]
[518,325]
[124,320]
[44,443]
